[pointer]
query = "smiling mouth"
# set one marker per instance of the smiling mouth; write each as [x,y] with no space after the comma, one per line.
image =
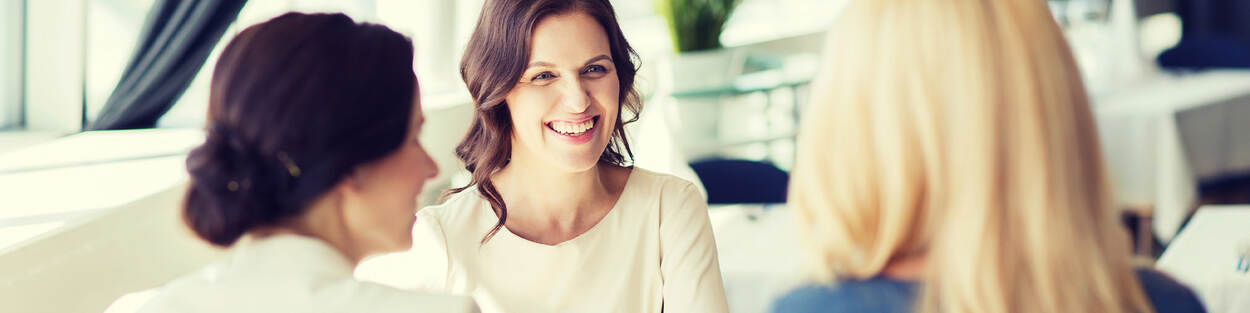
[573,129]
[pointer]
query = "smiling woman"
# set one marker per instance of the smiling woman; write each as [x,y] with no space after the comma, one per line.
[555,219]
[495,83]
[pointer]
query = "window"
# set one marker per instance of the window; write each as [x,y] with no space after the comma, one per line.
[192,107]
[112,35]
[403,16]
[115,31]
[758,20]
[439,30]
[12,35]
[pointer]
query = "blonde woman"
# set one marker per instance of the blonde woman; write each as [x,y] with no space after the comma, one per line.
[949,163]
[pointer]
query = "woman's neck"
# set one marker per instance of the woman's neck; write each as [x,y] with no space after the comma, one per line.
[323,221]
[551,205]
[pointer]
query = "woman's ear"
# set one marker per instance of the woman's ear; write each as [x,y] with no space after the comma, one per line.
[350,192]
[353,184]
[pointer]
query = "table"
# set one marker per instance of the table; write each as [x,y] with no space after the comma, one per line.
[1164,135]
[760,254]
[1204,256]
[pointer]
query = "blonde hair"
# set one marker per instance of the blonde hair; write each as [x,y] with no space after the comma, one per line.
[960,131]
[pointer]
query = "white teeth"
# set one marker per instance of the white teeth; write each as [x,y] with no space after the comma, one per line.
[572,129]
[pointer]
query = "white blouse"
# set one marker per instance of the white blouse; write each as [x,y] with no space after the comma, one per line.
[653,252]
[289,273]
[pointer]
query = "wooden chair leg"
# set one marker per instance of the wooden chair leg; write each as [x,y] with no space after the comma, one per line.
[1143,237]
[1145,240]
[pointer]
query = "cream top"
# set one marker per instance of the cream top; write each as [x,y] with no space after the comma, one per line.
[653,251]
[289,273]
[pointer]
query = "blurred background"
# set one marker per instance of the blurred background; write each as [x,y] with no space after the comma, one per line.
[101,99]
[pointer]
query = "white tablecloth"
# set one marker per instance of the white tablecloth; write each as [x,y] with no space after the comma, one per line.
[1166,133]
[1204,256]
[759,254]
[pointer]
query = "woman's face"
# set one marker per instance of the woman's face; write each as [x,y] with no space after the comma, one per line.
[564,108]
[381,211]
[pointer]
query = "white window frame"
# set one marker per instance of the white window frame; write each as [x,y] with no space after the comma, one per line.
[12,14]
[54,58]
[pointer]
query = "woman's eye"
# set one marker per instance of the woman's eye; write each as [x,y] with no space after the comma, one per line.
[596,69]
[543,76]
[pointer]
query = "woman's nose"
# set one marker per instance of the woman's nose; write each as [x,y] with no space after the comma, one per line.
[574,97]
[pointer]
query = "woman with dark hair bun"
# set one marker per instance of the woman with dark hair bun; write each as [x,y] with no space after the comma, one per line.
[312,158]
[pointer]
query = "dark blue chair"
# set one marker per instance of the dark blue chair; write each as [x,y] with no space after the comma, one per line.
[1199,52]
[741,181]
[1214,33]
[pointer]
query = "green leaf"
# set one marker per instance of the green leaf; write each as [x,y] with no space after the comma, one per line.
[695,25]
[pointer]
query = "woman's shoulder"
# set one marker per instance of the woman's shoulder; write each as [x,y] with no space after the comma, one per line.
[1166,294]
[666,197]
[344,295]
[877,295]
[652,200]
[885,295]
[459,206]
[370,297]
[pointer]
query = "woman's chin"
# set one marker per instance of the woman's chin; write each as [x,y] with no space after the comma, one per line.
[575,163]
[574,159]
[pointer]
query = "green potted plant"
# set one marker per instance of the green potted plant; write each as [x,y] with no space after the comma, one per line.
[698,65]
[695,25]
[698,61]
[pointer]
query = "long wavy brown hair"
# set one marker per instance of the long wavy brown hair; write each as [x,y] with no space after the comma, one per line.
[495,58]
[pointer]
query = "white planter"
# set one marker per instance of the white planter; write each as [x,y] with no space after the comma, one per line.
[690,71]
[694,79]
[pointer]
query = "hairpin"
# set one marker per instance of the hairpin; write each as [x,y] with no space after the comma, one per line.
[235,185]
[290,165]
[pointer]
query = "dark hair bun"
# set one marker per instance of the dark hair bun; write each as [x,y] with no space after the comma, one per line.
[233,189]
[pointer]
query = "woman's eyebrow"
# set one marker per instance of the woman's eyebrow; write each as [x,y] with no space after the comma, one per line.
[541,64]
[588,62]
[600,57]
